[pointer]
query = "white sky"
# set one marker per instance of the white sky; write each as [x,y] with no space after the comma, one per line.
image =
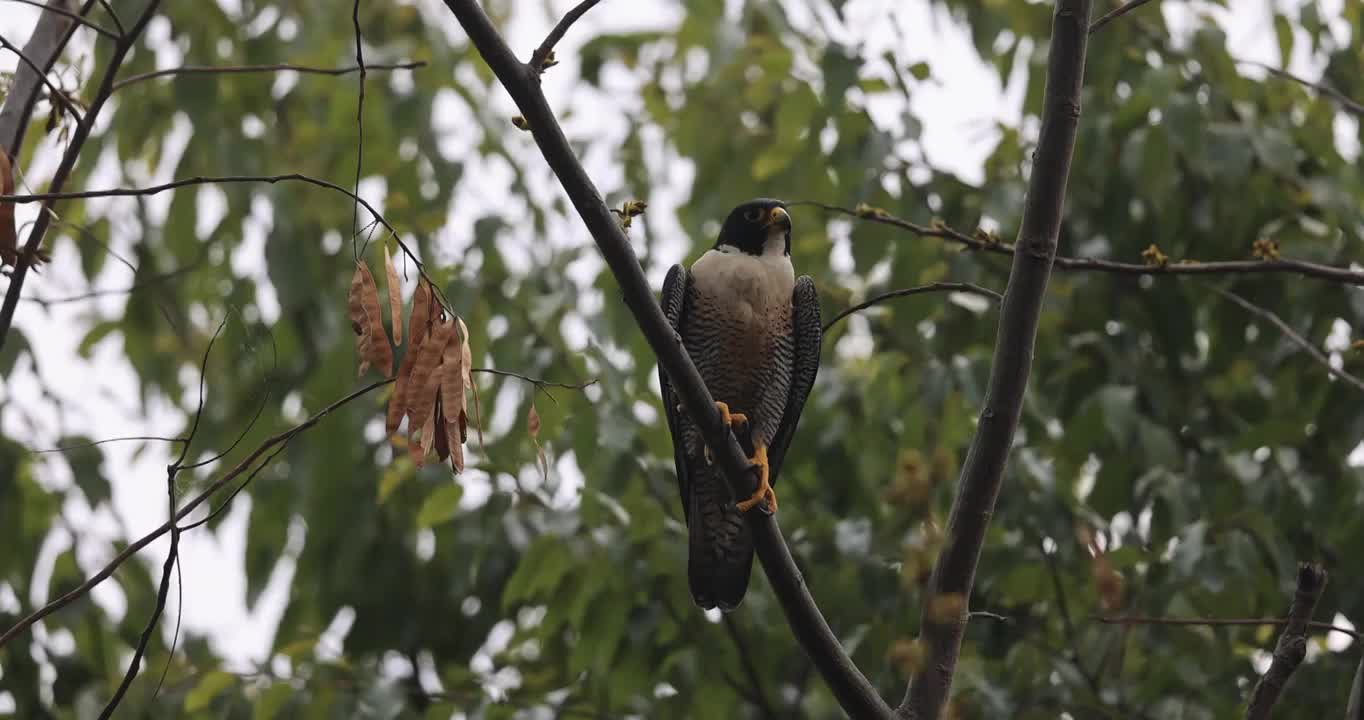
[100,394]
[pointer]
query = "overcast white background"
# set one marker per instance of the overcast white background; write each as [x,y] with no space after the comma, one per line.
[957,108]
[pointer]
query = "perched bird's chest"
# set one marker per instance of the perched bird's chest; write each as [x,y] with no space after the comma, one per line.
[741,307]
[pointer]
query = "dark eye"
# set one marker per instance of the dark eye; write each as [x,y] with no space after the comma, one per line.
[753,215]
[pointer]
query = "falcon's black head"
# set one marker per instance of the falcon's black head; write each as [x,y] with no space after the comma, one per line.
[750,225]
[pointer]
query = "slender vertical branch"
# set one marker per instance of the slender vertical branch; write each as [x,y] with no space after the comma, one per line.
[849,686]
[944,614]
[359,115]
[1292,645]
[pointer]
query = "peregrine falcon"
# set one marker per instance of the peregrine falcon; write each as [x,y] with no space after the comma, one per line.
[753,331]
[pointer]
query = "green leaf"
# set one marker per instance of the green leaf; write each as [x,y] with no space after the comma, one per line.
[210,686]
[1283,30]
[920,70]
[272,701]
[15,345]
[440,505]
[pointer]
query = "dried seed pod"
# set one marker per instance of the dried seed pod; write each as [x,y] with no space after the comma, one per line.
[468,360]
[395,298]
[422,386]
[419,321]
[452,396]
[371,342]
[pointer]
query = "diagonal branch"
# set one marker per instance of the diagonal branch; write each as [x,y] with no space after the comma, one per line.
[1292,645]
[946,604]
[849,686]
[1292,335]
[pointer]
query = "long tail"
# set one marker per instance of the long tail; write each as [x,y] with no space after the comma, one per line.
[720,548]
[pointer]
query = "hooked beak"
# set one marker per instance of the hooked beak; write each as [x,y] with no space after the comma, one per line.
[778,217]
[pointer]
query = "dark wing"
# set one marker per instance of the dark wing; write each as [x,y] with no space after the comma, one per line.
[808,334]
[674,298]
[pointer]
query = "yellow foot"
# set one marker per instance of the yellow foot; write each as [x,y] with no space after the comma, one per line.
[764,491]
[731,418]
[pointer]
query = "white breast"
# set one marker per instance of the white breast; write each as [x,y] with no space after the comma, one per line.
[749,282]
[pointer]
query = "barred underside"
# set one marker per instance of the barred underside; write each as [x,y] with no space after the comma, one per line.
[745,352]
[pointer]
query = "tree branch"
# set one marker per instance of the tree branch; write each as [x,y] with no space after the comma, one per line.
[1186,267]
[852,690]
[1292,645]
[916,290]
[1116,13]
[1292,335]
[946,603]
[250,69]
[83,128]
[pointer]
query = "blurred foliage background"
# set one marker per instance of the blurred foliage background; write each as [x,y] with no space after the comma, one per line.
[1193,445]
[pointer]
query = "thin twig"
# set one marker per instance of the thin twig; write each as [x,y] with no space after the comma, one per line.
[48,7]
[189,507]
[1116,13]
[536,381]
[113,16]
[174,553]
[537,58]
[67,448]
[52,90]
[64,168]
[852,690]
[1347,103]
[162,591]
[107,292]
[759,695]
[1292,646]
[1187,267]
[225,179]
[948,591]
[916,290]
[1293,335]
[1218,622]
[1068,625]
[248,69]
